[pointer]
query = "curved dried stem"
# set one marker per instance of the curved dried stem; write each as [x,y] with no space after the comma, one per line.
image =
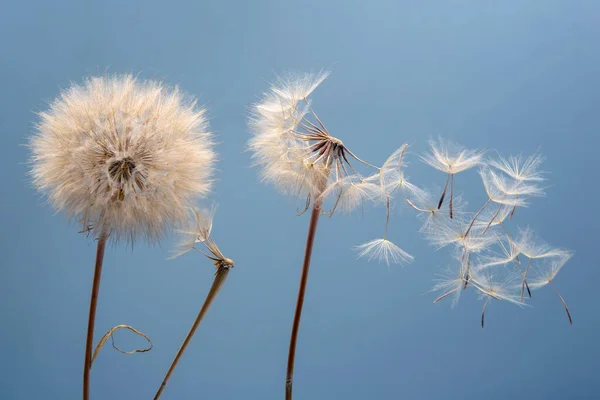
[110,334]
[89,342]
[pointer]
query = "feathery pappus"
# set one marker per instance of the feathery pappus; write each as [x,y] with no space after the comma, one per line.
[123,155]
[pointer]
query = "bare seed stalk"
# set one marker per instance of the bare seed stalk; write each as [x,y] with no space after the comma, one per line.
[89,342]
[220,277]
[312,230]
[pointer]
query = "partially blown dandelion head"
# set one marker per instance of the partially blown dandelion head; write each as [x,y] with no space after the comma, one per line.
[125,156]
[294,148]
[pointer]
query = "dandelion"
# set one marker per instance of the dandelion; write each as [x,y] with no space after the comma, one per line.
[535,249]
[508,253]
[384,250]
[495,284]
[126,158]
[424,203]
[451,159]
[298,155]
[452,282]
[547,271]
[503,192]
[455,232]
[199,232]
[519,169]
[490,258]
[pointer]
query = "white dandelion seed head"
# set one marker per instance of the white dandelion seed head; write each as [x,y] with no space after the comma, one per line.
[285,159]
[125,156]
[295,150]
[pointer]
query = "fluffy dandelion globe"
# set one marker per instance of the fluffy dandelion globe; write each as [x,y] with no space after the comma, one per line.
[124,156]
[127,158]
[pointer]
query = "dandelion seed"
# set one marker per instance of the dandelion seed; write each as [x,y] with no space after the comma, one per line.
[454,231]
[297,153]
[451,159]
[547,271]
[519,169]
[508,254]
[535,249]
[350,192]
[384,250]
[451,283]
[423,202]
[498,284]
[504,192]
[124,157]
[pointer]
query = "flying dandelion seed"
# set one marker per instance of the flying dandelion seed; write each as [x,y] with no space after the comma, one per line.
[491,260]
[451,159]
[126,158]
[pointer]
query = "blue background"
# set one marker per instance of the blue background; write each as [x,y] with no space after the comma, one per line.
[505,75]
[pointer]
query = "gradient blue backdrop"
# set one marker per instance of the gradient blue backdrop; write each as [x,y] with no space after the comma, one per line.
[507,75]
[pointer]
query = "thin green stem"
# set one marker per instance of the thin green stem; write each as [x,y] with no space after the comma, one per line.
[220,278]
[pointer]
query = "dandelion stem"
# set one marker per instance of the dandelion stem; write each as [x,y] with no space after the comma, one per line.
[312,230]
[218,282]
[89,342]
